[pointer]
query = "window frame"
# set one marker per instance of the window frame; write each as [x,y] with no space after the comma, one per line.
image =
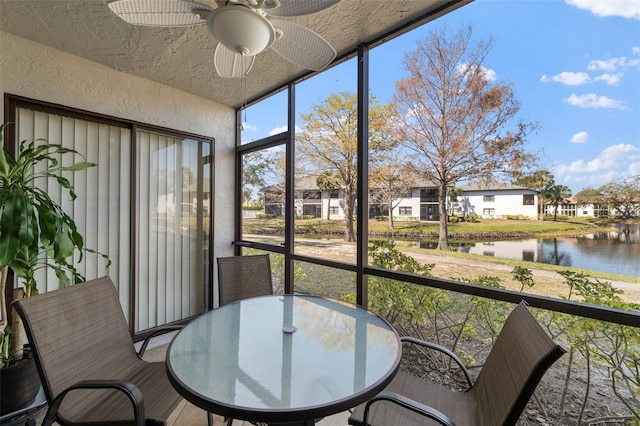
[361,269]
[528,199]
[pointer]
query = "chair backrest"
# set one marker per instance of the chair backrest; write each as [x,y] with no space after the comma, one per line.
[241,277]
[72,328]
[519,358]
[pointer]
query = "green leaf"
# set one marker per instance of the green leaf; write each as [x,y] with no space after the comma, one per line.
[8,249]
[30,220]
[47,222]
[77,167]
[62,276]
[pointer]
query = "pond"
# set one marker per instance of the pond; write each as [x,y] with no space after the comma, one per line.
[616,251]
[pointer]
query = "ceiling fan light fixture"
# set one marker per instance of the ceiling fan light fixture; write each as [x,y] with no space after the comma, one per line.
[241,29]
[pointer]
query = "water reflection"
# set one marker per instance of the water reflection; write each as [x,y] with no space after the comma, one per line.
[615,251]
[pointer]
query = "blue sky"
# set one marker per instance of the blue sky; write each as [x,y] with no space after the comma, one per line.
[574,66]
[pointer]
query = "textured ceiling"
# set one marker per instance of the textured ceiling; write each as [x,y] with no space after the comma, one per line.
[183,57]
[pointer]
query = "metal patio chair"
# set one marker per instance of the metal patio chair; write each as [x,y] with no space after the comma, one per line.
[519,358]
[241,277]
[87,363]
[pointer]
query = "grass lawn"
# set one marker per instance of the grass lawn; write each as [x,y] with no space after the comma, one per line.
[413,228]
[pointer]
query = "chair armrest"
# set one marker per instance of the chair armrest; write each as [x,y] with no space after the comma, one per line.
[442,349]
[155,332]
[409,404]
[129,389]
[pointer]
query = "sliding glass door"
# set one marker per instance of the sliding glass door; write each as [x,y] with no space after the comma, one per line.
[146,205]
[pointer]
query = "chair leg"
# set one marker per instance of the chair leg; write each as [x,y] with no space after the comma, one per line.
[209,419]
[228,421]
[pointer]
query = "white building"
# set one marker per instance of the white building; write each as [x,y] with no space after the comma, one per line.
[487,201]
[497,201]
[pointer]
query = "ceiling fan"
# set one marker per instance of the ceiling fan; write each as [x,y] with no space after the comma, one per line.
[243,28]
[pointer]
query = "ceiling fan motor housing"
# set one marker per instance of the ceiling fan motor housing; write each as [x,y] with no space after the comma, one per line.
[241,29]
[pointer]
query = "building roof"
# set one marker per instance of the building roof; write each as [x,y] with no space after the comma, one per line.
[494,186]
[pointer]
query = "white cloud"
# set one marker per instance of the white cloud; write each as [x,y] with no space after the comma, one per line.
[613,64]
[591,100]
[613,163]
[580,137]
[635,50]
[568,78]
[624,8]
[278,130]
[489,74]
[248,127]
[610,79]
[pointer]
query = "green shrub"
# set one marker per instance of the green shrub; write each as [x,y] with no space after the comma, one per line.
[472,218]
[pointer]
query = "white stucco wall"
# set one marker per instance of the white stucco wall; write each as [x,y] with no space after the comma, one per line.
[506,202]
[36,71]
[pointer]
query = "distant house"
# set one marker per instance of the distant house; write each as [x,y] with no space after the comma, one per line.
[496,201]
[487,201]
[570,207]
[309,200]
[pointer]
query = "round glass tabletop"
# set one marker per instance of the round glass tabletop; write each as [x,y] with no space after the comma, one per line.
[283,358]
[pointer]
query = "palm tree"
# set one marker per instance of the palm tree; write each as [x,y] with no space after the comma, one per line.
[554,194]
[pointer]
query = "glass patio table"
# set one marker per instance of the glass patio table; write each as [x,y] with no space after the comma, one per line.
[283,359]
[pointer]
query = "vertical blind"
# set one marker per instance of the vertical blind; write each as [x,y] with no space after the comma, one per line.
[171,206]
[172,250]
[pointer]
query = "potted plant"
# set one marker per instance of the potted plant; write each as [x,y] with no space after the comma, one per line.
[31,223]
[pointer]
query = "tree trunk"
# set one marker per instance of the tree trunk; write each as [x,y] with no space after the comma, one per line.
[541,208]
[443,236]
[328,206]
[350,234]
[391,226]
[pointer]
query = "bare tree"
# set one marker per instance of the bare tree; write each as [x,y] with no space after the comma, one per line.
[390,180]
[328,143]
[454,119]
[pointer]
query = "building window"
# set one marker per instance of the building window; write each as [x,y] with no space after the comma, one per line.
[528,199]
[334,210]
[405,211]
[429,195]
[489,198]
[488,212]
[334,194]
[311,195]
[528,255]
[314,210]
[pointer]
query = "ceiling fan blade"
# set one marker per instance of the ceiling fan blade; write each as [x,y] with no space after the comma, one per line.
[302,46]
[159,13]
[288,8]
[230,64]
